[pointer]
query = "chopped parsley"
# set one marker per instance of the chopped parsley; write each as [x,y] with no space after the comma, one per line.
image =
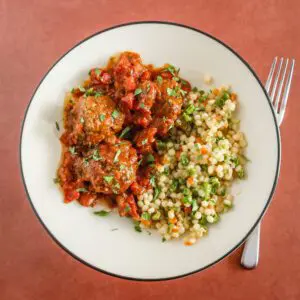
[115,114]
[156,193]
[241,173]
[102,117]
[97,71]
[184,160]
[127,208]
[220,101]
[174,185]
[172,70]
[176,78]
[72,150]
[182,92]
[96,155]
[145,141]
[98,94]
[183,81]
[101,213]
[56,180]
[159,79]
[57,126]
[163,239]
[235,161]
[171,92]
[122,167]
[152,180]
[116,159]
[108,179]
[81,190]
[150,158]
[195,205]
[81,120]
[124,132]
[114,229]
[138,91]
[81,89]
[90,92]
[86,161]
[161,145]
[187,118]
[137,227]
[190,109]
[146,216]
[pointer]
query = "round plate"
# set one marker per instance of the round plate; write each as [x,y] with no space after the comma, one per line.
[125,252]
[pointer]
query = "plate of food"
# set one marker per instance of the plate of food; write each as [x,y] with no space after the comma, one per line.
[150,151]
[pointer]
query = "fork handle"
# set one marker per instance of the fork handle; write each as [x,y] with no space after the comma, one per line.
[250,255]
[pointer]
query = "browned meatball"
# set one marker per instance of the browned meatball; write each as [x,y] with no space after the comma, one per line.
[93,119]
[167,107]
[109,168]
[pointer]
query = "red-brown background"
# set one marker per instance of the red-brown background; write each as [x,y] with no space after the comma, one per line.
[34,34]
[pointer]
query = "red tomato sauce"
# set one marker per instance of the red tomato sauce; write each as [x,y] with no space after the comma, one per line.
[111,127]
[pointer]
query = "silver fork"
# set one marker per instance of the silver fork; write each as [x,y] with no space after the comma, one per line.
[250,254]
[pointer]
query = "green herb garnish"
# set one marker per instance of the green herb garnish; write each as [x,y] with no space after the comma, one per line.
[101,213]
[137,227]
[144,141]
[127,208]
[190,109]
[184,160]
[108,179]
[146,216]
[96,155]
[57,126]
[116,159]
[102,117]
[152,180]
[159,79]
[56,180]
[98,94]
[81,190]
[138,91]
[81,120]
[150,158]
[124,132]
[72,150]
[115,114]
[171,92]
[156,193]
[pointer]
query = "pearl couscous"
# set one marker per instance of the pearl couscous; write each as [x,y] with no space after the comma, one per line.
[202,156]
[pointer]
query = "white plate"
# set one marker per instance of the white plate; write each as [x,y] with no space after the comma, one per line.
[125,252]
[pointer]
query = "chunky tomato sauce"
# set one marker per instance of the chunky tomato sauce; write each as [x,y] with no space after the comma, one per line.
[113,124]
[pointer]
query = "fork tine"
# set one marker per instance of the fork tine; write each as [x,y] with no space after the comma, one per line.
[286,93]
[276,80]
[270,77]
[280,86]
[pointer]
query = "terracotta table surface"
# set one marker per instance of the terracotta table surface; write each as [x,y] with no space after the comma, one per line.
[33,34]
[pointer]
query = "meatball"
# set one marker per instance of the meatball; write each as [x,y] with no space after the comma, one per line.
[167,107]
[109,168]
[93,119]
